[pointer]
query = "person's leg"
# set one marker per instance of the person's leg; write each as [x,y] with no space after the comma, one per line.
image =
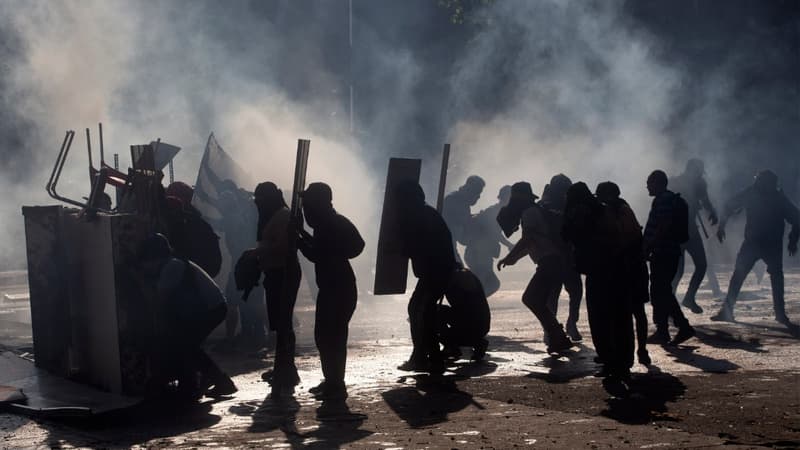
[659,299]
[282,287]
[640,318]
[745,259]
[773,258]
[548,278]
[695,249]
[423,322]
[663,267]
[681,269]
[334,311]
[574,287]
[201,362]
[597,315]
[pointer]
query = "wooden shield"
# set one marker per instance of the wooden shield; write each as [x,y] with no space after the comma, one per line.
[391,268]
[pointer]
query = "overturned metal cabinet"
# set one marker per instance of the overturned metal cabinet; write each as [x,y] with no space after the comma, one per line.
[92,313]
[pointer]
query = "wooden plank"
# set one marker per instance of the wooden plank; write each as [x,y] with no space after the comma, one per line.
[300,169]
[391,268]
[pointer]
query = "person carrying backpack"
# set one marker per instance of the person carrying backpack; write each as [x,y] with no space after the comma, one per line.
[541,243]
[666,230]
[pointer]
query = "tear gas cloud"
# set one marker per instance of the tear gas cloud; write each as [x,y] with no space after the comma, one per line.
[522,91]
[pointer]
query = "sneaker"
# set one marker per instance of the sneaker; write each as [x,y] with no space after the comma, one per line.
[724,315]
[223,389]
[479,351]
[559,345]
[659,337]
[414,365]
[644,357]
[783,319]
[330,393]
[616,386]
[684,334]
[451,353]
[692,305]
[317,389]
[573,333]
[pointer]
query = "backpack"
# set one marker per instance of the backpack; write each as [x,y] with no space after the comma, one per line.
[203,244]
[679,228]
[555,221]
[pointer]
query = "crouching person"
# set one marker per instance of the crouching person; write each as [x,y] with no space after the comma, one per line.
[465,321]
[191,305]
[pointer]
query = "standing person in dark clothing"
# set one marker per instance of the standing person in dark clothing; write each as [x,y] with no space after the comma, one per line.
[540,242]
[456,209]
[594,231]
[483,240]
[554,198]
[665,230]
[191,306]
[634,278]
[692,187]
[766,208]
[426,240]
[334,243]
[282,277]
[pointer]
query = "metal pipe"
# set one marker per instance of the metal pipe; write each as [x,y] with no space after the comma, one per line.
[102,153]
[58,159]
[89,149]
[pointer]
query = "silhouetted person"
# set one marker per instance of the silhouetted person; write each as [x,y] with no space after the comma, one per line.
[634,278]
[238,214]
[664,233]
[595,232]
[334,243]
[465,320]
[279,263]
[554,198]
[766,208]
[540,242]
[191,305]
[692,187]
[188,232]
[426,240]
[456,209]
[483,240]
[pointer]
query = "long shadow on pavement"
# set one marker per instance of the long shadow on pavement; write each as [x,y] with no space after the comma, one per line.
[687,355]
[719,338]
[132,426]
[429,402]
[649,395]
[569,367]
[338,426]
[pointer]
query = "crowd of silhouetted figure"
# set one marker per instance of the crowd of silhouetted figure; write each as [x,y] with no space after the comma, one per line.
[572,235]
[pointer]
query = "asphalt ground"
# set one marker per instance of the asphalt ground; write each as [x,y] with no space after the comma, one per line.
[735,384]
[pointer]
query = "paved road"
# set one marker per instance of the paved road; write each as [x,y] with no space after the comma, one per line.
[733,384]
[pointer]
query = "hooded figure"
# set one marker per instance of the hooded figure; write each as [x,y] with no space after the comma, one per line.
[278,261]
[542,243]
[191,306]
[766,208]
[334,243]
[427,241]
